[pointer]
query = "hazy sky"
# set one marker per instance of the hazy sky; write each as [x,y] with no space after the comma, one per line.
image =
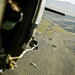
[65,6]
[71,1]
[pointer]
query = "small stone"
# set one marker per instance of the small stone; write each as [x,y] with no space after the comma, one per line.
[33,64]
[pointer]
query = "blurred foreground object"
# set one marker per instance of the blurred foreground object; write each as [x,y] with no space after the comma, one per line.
[2,7]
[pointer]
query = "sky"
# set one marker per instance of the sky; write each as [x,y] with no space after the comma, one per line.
[71,1]
[65,6]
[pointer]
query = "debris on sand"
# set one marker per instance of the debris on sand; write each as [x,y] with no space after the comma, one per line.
[54,46]
[50,38]
[33,64]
